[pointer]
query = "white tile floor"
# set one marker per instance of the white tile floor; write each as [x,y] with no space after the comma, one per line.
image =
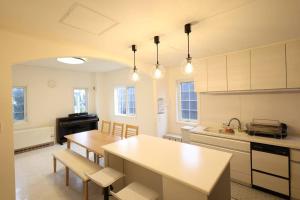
[36,181]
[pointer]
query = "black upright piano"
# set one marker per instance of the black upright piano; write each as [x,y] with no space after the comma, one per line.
[75,123]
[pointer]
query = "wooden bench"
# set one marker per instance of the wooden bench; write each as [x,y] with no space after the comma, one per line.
[77,164]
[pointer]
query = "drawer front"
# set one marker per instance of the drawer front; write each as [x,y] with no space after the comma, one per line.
[295,155]
[240,161]
[240,167]
[295,175]
[221,142]
[271,182]
[240,177]
[270,163]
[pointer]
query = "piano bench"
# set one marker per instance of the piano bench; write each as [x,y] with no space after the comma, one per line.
[77,164]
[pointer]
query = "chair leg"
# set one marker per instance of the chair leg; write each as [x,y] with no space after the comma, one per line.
[85,190]
[97,159]
[54,164]
[67,176]
[87,154]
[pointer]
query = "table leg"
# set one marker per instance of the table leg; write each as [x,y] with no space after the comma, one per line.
[106,193]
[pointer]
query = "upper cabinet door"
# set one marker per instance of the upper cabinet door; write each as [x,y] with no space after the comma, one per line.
[293,64]
[268,67]
[238,71]
[216,74]
[200,75]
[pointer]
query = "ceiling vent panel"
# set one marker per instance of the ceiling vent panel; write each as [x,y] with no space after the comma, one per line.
[88,20]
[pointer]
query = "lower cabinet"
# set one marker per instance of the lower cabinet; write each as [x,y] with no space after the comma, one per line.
[295,174]
[240,164]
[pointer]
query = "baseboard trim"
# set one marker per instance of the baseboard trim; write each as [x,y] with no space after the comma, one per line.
[31,148]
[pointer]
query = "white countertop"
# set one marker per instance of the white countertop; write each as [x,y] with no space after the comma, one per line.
[290,141]
[197,167]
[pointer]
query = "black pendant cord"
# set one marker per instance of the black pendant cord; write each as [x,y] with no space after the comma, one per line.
[188,37]
[157,64]
[134,66]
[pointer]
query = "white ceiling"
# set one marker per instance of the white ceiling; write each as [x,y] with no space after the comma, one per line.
[222,25]
[92,65]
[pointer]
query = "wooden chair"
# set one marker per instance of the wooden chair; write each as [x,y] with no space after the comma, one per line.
[118,129]
[105,127]
[131,130]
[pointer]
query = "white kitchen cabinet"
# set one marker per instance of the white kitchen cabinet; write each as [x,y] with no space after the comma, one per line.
[216,74]
[295,180]
[240,164]
[293,64]
[268,67]
[200,75]
[238,71]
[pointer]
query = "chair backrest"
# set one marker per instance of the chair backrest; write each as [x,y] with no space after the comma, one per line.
[131,130]
[105,127]
[118,129]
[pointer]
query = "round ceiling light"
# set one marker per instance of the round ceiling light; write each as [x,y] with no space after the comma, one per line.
[72,60]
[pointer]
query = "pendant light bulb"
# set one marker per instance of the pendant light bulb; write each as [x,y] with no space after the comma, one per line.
[157,73]
[189,67]
[135,76]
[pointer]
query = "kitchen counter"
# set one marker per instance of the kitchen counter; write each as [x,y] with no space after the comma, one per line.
[290,141]
[198,168]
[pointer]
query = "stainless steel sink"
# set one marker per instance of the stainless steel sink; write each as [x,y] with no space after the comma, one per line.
[221,130]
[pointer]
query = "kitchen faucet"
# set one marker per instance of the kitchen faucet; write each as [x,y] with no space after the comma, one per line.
[236,119]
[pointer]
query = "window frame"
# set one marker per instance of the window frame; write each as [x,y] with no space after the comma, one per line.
[116,101]
[25,105]
[178,104]
[87,97]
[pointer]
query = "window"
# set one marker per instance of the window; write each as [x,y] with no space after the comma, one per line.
[187,101]
[19,103]
[125,101]
[80,100]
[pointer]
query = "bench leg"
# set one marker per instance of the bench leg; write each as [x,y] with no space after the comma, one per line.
[67,176]
[54,164]
[85,190]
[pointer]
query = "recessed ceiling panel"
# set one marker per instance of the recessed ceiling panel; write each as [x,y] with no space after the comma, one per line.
[88,20]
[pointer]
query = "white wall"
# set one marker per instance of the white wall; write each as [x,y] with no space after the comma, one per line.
[45,104]
[16,48]
[215,109]
[145,115]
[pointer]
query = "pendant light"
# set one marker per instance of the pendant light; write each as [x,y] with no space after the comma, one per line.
[188,69]
[135,75]
[158,70]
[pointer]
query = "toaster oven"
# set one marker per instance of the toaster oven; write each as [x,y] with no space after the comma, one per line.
[267,128]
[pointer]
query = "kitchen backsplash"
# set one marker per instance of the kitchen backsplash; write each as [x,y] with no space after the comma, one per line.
[216,109]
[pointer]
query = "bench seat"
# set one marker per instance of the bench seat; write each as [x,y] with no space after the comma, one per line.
[78,164]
